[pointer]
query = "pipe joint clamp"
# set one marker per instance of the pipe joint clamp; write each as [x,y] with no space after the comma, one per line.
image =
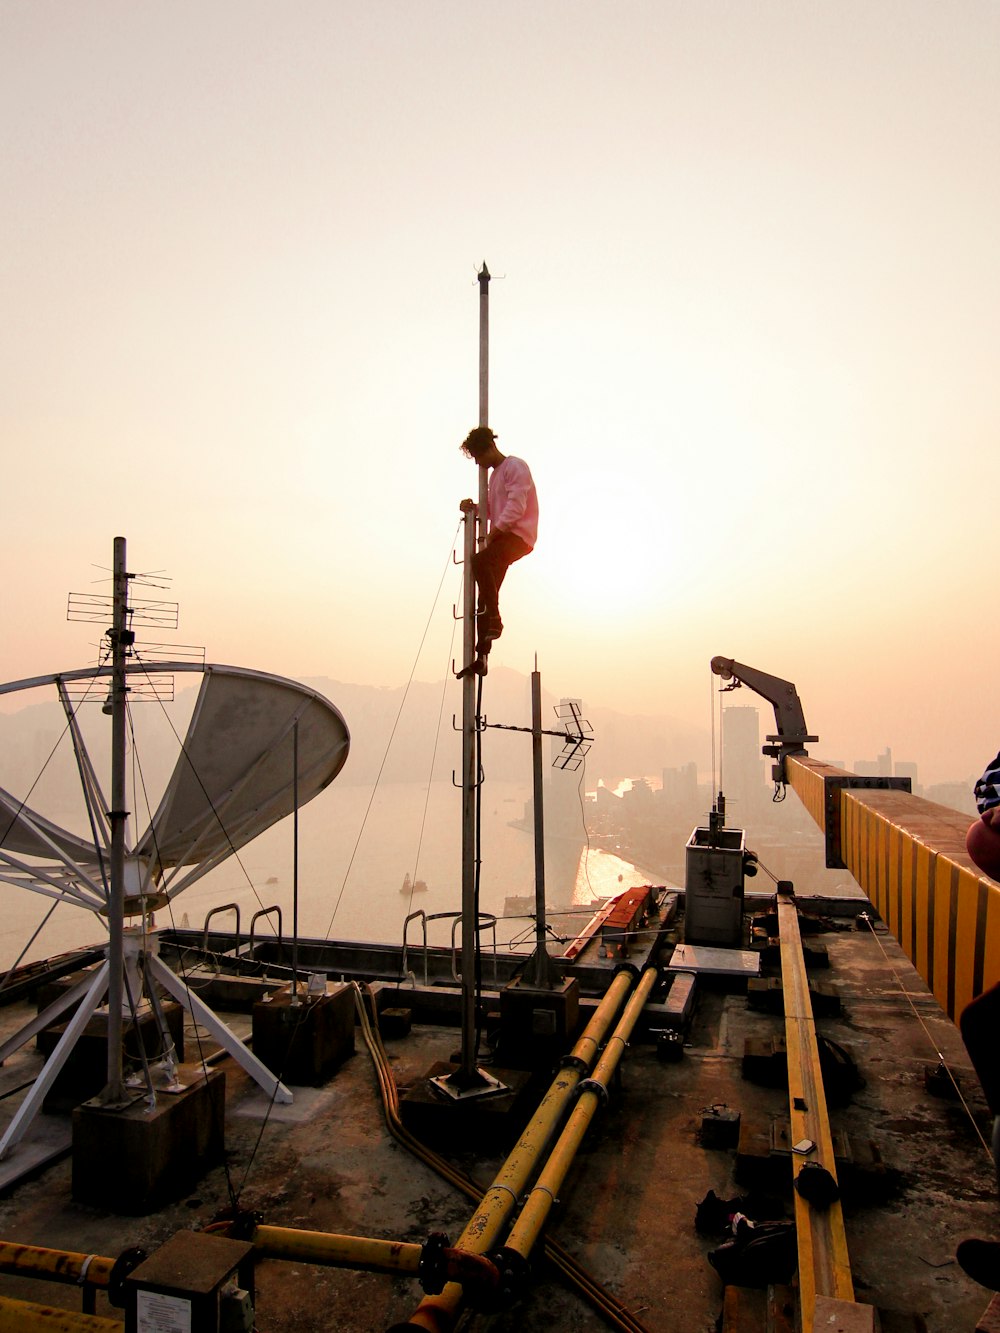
[514,1271]
[123,1265]
[573,1062]
[592,1085]
[432,1270]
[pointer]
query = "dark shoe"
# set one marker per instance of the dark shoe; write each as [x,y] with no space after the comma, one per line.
[477,667]
[715,1216]
[980,1259]
[758,1257]
[490,626]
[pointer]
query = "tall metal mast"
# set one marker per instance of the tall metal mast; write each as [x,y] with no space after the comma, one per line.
[539,971]
[484,394]
[114,1093]
[468,1076]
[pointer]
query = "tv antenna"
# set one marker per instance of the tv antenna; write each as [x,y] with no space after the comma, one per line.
[578,736]
[257,747]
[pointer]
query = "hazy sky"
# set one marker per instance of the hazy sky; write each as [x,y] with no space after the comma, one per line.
[744,329]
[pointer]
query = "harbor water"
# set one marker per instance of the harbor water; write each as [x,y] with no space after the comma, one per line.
[354,848]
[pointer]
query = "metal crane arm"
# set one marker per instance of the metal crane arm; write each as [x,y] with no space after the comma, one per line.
[792,734]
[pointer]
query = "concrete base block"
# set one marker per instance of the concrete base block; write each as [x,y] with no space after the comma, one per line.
[495,1118]
[303,1044]
[134,1160]
[395,1022]
[537,1025]
[86,1069]
[720,1127]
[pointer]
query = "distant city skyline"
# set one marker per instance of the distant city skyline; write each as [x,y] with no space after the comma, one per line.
[395,739]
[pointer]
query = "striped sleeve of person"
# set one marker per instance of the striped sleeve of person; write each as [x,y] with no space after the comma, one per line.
[987,789]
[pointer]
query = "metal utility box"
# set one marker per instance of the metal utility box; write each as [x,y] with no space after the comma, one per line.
[713,876]
[537,1025]
[194,1283]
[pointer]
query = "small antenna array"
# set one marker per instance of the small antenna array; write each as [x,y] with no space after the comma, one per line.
[98,609]
[579,736]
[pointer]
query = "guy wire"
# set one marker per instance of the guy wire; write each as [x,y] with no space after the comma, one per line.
[930,1040]
[392,734]
[434,750]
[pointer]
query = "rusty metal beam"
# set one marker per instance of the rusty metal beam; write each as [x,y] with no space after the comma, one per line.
[824,1263]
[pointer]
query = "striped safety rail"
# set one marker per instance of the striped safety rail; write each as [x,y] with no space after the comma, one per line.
[908,855]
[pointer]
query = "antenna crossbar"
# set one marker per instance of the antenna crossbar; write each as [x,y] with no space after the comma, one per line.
[140,689]
[97,607]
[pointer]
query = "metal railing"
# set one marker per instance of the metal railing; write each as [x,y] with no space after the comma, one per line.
[273,910]
[224,907]
[485,921]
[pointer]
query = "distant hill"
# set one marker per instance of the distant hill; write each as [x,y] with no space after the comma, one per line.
[402,733]
[624,745]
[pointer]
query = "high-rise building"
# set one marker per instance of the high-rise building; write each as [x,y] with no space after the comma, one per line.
[742,776]
[880,767]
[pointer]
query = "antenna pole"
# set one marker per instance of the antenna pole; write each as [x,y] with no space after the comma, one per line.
[540,961]
[118,815]
[467,1075]
[468,1078]
[295,863]
[484,394]
[484,345]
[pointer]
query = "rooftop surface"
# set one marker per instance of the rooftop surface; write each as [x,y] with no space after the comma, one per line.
[918,1179]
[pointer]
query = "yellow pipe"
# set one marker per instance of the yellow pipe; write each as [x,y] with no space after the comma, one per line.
[372,1255]
[55,1265]
[438,1312]
[26,1317]
[526,1229]
[319,1247]
[501,1198]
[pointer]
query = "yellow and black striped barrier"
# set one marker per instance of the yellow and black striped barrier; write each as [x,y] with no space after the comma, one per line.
[908,855]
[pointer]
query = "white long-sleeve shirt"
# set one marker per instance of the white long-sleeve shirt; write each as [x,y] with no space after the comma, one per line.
[513,502]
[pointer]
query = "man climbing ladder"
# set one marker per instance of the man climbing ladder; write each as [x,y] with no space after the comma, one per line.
[513,529]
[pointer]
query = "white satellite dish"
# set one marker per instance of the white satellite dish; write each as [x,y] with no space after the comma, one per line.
[257,746]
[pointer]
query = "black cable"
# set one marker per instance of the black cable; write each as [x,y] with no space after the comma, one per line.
[38,930]
[279,1078]
[233,851]
[479,867]
[234,1194]
[586,830]
[392,736]
[214,1091]
[434,750]
[70,717]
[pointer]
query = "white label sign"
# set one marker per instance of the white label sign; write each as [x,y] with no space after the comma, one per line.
[158,1313]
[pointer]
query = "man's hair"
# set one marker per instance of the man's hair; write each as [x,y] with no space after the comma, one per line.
[478,440]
